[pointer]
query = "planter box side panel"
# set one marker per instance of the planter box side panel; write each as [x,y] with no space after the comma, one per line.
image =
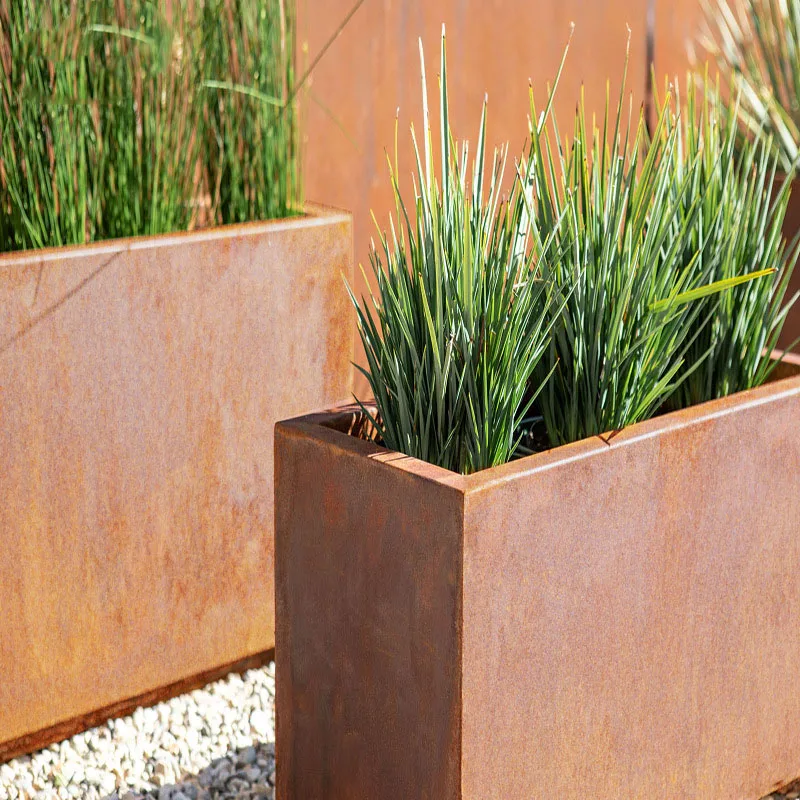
[368,570]
[136,431]
[636,606]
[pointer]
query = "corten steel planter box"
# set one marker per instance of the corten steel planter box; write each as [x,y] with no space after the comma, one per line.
[140,381]
[613,617]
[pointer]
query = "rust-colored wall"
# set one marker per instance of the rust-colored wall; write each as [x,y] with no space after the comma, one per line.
[494,47]
[676,27]
[139,385]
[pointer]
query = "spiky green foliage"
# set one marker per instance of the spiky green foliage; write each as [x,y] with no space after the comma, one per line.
[757,44]
[251,145]
[118,118]
[145,74]
[99,122]
[459,320]
[735,230]
[49,169]
[624,216]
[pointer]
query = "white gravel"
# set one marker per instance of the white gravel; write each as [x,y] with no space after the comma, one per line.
[215,743]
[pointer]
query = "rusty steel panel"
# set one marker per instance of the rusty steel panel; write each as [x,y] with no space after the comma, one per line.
[675,29]
[140,381]
[367,639]
[635,610]
[372,71]
[626,618]
[791,228]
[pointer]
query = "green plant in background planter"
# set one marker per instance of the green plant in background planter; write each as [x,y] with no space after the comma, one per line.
[756,44]
[144,73]
[251,136]
[49,140]
[736,229]
[120,119]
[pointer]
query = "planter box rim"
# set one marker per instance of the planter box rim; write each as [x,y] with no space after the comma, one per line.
[313,215]
[334,427]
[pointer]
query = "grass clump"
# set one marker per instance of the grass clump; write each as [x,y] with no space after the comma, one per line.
[459,322]
[49,134]
[250,143]
[628,209]
[144,70]
[623,272]
[737,230]
[120,118]
[756,45]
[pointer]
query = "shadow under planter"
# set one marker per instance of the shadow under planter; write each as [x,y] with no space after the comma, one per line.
[615,615]
[140,381]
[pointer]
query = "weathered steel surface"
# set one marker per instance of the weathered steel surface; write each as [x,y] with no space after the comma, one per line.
[494,48]
[625,615]
[635,610]
[791,228]
[676,28]
[139,384]
[368,594]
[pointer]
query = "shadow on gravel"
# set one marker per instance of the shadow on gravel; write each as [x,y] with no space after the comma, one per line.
[248,772]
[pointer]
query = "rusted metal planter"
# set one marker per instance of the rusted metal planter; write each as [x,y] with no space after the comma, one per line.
[140,381]
[613,618]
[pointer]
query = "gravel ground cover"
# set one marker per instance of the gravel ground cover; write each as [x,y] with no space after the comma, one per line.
[215,743]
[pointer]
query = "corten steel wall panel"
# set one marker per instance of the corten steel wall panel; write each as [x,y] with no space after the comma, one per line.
[627,617]
[791,228]
[633,608]
[676,31]
[139,385]
[368,601]
[494,47]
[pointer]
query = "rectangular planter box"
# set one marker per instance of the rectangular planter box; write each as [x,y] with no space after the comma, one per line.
[140,381]
[610,619]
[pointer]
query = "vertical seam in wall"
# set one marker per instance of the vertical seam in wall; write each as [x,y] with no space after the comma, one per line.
[649,66]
